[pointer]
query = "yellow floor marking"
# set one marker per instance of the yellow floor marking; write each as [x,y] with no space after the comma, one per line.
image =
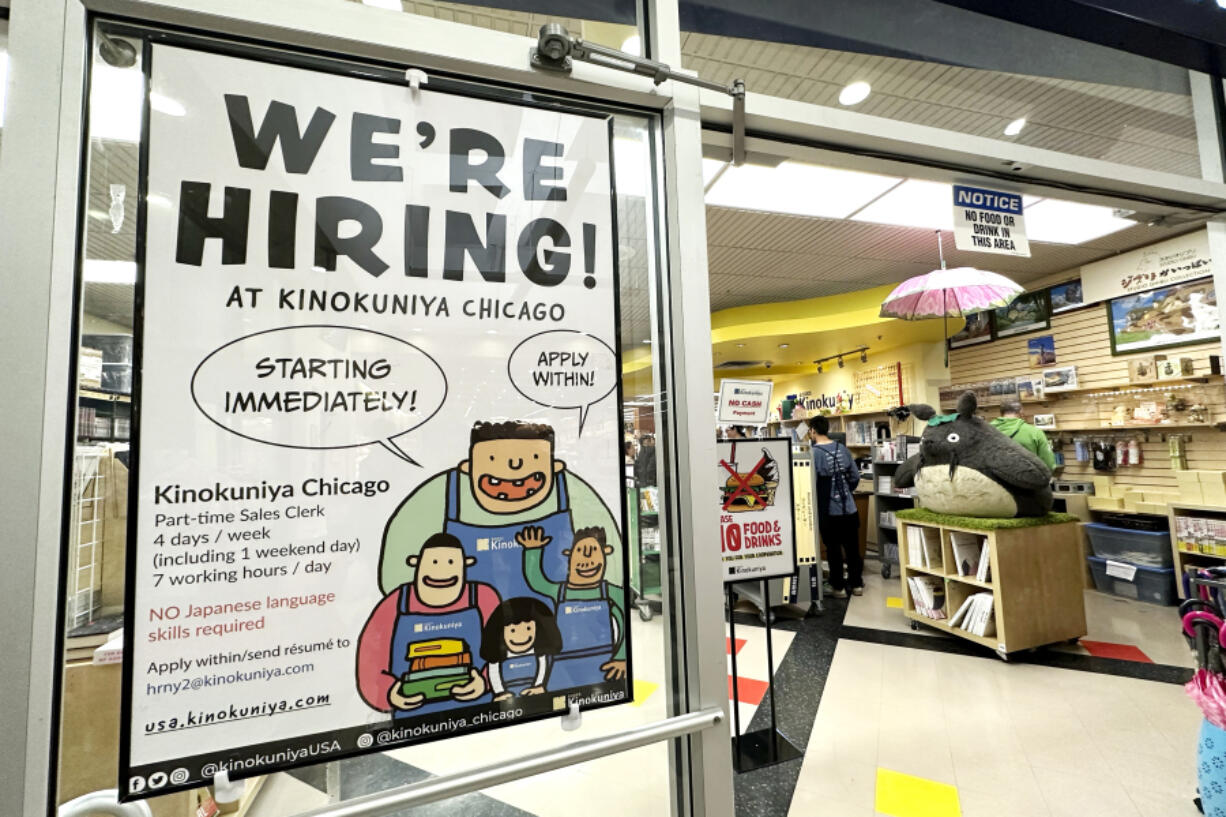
[901,795]
[643,691]
[893,602]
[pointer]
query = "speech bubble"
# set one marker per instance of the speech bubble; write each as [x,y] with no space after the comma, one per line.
[320,387]
[564,369]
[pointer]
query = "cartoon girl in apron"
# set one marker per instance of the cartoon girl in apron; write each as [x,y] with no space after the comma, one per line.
[518,643]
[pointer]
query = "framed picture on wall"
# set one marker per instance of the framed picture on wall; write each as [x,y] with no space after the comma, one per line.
[1029,312]
[1046,421]
[978,329]
[1177,315]
[1062,379]
[1064,297]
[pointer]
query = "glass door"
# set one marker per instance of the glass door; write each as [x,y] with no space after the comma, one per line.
[180,535]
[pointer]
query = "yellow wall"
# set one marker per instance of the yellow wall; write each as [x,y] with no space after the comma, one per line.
[923,371]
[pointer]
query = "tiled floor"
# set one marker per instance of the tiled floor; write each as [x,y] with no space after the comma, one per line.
[896,730]
[1012,739]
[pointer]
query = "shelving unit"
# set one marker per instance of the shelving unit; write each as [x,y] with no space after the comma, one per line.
[1035,582]
[1188,552]
[889,501]
[113,411]
[644,555]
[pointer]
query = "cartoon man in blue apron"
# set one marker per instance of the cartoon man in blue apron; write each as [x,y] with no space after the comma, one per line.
[418,653]
[509,480]
[589,611]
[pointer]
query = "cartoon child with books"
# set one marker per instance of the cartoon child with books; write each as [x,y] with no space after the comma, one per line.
[415,654]
[518,645]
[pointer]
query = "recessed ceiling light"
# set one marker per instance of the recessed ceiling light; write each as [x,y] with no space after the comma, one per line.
[97,271]
[799,189]
[633,45]
[783,346]
[1069,222]
[914,203]
[740,346]
[1015,127]
[648,342]
[855,93]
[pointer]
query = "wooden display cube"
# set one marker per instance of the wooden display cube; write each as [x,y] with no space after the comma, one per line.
[1036,578]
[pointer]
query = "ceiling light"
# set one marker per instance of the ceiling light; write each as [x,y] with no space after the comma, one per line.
[855,93]
[164,104]
[783,346]
[799,189]
[390,5]
[115,103]
[710,169]
[648,342]
[914,203]
[740,346]
[1015,127]
[1067,222]
[633,45]
[109,272]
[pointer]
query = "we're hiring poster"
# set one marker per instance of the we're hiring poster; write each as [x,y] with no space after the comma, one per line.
[377,492]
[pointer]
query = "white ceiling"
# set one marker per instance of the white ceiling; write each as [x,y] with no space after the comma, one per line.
[759,257]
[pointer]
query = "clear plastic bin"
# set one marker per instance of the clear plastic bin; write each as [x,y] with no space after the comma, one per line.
[1149,584]
[1138,547]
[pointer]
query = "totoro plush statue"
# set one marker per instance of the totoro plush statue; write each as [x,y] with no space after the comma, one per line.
[967,468]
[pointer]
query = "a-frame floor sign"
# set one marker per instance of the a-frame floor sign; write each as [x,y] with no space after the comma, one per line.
[762,747]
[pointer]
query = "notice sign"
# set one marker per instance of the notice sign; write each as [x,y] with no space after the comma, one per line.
[745,402]
[377,494]
[757,529]
[989,221]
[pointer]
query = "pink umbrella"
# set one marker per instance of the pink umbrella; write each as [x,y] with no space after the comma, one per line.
[949,293]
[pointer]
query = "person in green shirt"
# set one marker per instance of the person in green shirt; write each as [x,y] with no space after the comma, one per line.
[590,611]
[1012,425]
[510,479]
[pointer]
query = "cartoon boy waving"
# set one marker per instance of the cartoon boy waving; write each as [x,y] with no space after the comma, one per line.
[509,480]
[590,611]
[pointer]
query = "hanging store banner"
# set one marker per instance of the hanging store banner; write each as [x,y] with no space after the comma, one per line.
[757,529]
[744,402]
[989,221]
[1179,259]
[378,493]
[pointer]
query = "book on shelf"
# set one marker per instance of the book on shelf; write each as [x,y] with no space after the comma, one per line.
[968,549]
[885,484]
[984,572]
[977,615]
[928,594]
[924,548]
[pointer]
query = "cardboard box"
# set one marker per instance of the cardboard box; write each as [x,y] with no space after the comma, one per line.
[1105,503]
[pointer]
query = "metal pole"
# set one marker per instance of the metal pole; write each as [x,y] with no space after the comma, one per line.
[736,695]
[770,666]
[395,801]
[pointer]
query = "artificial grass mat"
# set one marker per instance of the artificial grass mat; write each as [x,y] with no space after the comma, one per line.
[926,517]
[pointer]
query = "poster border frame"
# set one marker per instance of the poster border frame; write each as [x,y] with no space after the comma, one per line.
[362,70]
[791,513]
